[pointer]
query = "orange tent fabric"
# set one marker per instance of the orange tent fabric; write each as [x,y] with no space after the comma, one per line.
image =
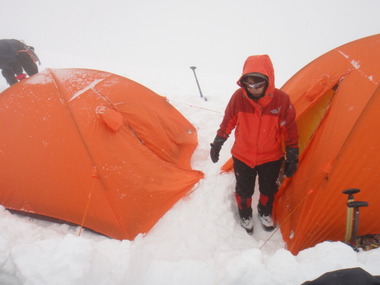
[94,149]
[337,99]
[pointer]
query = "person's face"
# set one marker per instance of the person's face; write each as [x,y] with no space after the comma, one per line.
[255,86]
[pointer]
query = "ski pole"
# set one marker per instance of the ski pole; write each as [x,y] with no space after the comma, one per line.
[350,192]
[196,79]
[356,205]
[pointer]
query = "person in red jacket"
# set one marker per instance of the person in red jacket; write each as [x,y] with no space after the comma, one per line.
[264,121]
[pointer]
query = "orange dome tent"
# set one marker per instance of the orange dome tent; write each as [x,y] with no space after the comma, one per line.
[94,149]
[337,98]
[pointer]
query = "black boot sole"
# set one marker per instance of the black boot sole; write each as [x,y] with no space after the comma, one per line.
[268,229]
[249,231]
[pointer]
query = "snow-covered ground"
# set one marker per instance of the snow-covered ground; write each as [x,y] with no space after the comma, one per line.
[198,241]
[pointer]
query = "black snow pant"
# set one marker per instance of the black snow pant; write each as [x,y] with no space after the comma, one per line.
[25,61]
[245,185]
[9,76]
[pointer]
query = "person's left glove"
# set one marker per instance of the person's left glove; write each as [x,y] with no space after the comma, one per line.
[216,146]
[21,76]
[291,161]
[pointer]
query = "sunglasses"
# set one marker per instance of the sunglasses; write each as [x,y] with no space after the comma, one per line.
[255,85]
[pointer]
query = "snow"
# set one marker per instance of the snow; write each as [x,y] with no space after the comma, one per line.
[154,43]
[92,85]
[355,64]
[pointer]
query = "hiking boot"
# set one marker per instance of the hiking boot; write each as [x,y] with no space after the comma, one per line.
[267,222]
[247,224]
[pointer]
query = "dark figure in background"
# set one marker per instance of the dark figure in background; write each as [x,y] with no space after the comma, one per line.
[15,58]
[264,118]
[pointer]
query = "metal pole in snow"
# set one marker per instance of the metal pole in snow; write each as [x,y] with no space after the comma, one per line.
[196,79]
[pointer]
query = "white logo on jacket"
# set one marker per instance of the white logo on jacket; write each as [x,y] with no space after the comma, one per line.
[275,111]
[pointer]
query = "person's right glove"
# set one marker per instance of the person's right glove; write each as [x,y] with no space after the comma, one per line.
[216,146]
[291,161]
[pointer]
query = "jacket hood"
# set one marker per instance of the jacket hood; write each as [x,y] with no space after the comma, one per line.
[259,64]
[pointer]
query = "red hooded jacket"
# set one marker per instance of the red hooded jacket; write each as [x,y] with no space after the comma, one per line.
[261,125]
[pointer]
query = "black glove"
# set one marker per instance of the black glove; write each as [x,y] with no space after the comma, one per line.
[291,162]
[216,146]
